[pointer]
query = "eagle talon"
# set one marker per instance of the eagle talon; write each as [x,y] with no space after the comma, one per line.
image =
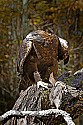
[42,84]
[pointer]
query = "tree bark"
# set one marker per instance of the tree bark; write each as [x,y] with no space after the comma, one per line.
[33,99]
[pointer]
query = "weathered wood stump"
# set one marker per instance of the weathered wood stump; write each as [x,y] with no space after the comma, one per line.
[33,99]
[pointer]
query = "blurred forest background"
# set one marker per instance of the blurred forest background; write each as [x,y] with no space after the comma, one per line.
[18,18]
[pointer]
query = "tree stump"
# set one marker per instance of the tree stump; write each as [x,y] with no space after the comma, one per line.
[33,99]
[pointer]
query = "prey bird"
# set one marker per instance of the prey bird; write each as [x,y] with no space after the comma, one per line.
[38,58]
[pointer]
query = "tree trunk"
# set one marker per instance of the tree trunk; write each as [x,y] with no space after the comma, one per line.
[33,99]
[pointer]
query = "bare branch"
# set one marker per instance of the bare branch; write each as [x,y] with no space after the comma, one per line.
[57,112]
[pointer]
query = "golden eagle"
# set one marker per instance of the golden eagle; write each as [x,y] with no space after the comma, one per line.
[38,57]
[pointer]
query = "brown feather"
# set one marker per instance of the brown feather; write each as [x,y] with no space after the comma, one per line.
[39,51]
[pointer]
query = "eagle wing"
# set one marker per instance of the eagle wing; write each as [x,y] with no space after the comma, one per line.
[63,50]
[23,53]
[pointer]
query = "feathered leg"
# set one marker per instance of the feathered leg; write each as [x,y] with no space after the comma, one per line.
[38,79]
[54,71]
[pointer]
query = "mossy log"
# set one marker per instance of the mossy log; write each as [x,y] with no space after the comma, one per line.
[33,99]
